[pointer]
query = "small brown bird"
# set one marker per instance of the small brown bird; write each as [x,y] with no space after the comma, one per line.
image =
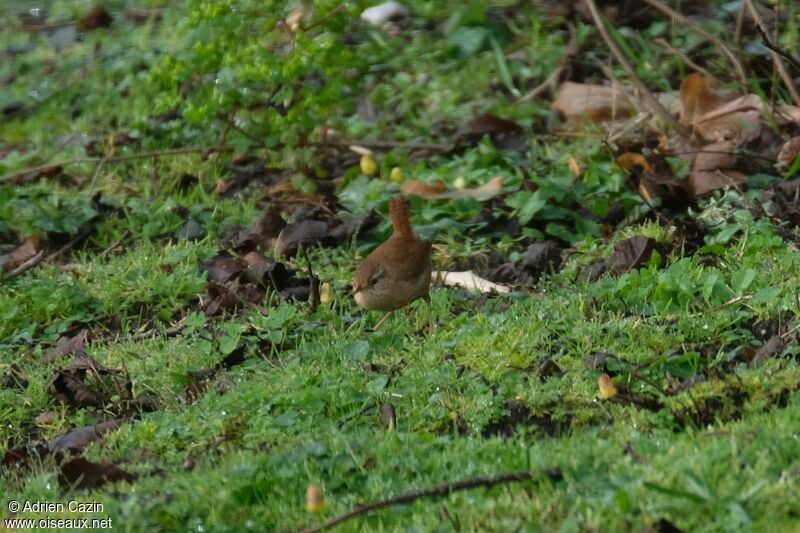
[398,271]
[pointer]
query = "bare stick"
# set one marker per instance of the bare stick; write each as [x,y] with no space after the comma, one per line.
[439,490]
[776,57]
[686,21]
[769,43]
[648,99]
[27,265]
[663,43]
[117,159]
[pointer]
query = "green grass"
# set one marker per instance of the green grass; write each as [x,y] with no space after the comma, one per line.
[697,437]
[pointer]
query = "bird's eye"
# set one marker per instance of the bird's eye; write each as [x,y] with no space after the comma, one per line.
[375,277]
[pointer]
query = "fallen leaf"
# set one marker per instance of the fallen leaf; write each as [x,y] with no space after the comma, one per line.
[224,267]
[422,189]
[596,103]
[383,13]
[25,251]
[505,134]
[715,116]
[45,419]
[712,169]
[773,347]
[86,383]
[79,438]
[538,259]
[66,346]
[632,253]
[790,150]
[469,281]
[438,191]
[80,473]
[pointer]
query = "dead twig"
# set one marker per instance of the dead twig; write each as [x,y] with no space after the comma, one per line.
[27,265]
[115,244]
[649,100]
[570,51]
[663,43]
[439,490]
[769,43]
[119,158]
[686,21]
[776,53]
[333,12]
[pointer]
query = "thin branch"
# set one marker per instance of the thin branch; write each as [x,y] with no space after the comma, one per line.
[27,265]
[776,53]
[686,21]
[333,12]
[769,43]
[648,99]
[439,490]
[569,52]
[117,159]
[663,43]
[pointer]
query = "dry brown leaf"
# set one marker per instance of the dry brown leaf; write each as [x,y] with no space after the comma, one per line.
[712,169]
[468,280]
[715,116]
[596,103]
[438,190]
[788,114]
[425,190]
[790,150]
[22,253]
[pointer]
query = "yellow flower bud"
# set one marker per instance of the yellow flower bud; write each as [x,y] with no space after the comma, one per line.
[368,165]
[607,388]
[326,294]
[315,501]
[397,175]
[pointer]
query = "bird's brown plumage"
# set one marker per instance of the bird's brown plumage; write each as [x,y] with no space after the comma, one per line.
[398,271]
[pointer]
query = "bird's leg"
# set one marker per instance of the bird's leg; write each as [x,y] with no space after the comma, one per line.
[382,320]
[427,299]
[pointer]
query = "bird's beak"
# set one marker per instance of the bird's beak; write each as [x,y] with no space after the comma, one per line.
[355,290]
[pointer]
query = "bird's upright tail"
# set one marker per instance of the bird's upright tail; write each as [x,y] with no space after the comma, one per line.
[398,209]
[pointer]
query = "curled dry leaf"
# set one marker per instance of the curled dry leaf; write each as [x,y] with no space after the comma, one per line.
[632,253]
[468,280]
[788,114]
[438,190]
[86,383]
[80,438]
[716,116]
[66,346]
[383,13]
[424,190]
[595,103]
[790,150]
[713,169]
[80,473]
[25,251]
